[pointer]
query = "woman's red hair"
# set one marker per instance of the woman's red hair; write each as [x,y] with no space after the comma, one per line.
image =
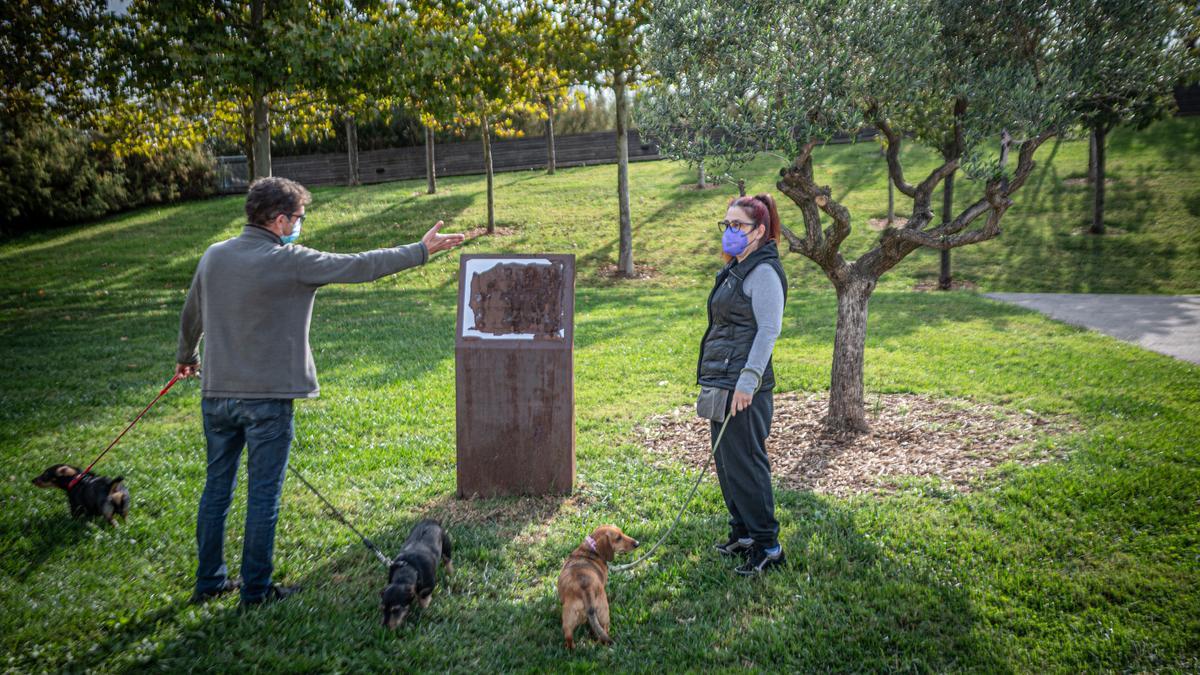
[762,209]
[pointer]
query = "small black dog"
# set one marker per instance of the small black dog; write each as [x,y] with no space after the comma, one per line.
[413,573]
[92,496]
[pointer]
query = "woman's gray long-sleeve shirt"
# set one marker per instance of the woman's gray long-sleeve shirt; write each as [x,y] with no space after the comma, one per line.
[252,298]
[765,291]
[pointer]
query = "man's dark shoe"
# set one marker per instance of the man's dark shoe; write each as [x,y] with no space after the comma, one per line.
[735,546]
[274,594]
[229,586]
[759,561]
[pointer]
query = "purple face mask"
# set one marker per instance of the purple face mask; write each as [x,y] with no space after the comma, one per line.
[734,241]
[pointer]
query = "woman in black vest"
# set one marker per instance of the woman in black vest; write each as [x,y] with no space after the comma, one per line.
[745,314]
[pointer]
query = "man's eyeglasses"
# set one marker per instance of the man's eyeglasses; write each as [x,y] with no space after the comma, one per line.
[724,225]
[300,221]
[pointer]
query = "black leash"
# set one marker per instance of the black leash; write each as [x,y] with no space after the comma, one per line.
[687,500]
[387,562]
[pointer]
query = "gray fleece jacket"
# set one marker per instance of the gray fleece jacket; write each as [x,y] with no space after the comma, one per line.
[252,299]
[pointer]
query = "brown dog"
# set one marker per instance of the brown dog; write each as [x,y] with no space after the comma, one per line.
[583,578]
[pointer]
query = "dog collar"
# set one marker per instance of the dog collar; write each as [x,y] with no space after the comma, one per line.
[590,542]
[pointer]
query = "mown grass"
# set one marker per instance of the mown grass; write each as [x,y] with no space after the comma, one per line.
[1089,563]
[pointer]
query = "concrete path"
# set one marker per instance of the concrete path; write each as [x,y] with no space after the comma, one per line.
[1168,324]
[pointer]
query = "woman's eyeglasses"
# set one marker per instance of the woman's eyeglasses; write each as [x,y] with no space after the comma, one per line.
[724,225]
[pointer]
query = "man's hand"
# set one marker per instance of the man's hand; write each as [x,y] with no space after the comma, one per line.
[741,401]
[186,370]
[435,242]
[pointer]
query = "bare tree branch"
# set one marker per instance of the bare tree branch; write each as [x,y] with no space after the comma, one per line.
[942,241]
[820,246]
[996,200]
[1025,160]
[893,155]
[924,192]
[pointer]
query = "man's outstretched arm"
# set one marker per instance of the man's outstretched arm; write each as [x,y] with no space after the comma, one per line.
[317,268]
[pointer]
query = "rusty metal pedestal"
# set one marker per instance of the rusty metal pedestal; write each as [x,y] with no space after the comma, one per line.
[514,375]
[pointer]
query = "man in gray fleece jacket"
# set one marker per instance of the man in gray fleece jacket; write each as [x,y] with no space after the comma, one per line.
[252,298]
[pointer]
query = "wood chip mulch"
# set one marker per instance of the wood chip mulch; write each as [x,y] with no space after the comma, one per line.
[954,440]
[610,272]
[881,223]
[955,285]
[482,232]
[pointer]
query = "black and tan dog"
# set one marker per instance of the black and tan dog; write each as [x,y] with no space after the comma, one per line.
[583,578]
[413,574]
[92,496]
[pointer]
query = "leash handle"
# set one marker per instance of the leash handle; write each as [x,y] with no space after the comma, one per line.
[683,508]
[76,479]
[338,514]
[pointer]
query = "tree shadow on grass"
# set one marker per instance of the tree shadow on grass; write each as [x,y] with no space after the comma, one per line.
[843,603]
[41,539]
[1055,256]
[477,612]
[808,316]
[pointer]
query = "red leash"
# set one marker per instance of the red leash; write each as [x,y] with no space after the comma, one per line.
[76,479]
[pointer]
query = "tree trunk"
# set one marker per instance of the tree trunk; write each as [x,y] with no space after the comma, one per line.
[1091,177]
[262,134]
[261,114]
[248,139]
[550,159]
[702,178]
[1096,172]
[891,200]
[487,167]
[352,178]
[430,167]
[625,256]
[944,278]
[846,411]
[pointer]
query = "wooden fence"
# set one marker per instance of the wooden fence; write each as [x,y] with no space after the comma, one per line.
[457,159]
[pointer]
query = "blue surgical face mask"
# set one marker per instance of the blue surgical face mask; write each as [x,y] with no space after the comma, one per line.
[295,233]
[734,241]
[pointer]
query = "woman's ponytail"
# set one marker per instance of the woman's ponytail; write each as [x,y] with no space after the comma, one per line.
[772,220]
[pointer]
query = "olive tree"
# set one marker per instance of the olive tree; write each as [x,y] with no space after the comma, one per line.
[739,79]
[1135,53]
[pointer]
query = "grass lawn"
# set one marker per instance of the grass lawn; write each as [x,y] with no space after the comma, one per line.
[1089,563]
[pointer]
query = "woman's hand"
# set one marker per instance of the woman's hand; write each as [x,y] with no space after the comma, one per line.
[435,242]
[741,401]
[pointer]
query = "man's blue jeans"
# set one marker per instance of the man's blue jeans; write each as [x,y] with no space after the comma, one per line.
[265,427]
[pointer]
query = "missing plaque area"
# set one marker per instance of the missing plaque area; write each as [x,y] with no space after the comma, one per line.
[518,298]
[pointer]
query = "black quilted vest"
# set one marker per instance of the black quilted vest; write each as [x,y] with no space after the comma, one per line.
[731,325]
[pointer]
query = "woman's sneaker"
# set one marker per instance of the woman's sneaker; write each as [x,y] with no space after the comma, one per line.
[735,546]
[760,560]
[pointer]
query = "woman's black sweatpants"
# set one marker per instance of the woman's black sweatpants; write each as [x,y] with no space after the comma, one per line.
[745,472]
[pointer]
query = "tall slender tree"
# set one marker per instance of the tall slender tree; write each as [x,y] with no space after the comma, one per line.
[500,71]
[195,54]
[619,57]
[349,56]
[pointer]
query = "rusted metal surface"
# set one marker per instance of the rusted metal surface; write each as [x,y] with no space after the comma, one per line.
[514,375]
